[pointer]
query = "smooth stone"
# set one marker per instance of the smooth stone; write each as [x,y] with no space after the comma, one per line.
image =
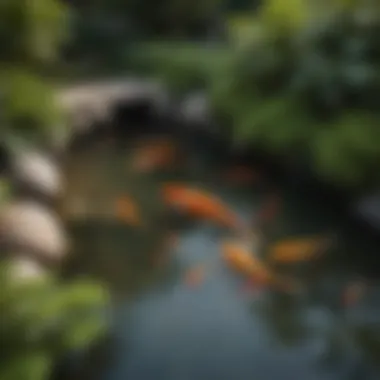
[29,227]
[36,171]
[25,269]
[196,109]
[94,102]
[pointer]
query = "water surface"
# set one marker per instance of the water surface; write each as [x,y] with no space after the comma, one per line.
[166,330]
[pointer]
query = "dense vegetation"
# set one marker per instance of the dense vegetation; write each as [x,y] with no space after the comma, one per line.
[41,320]
[297,78]
[41,317]
[30,35]
[305,87]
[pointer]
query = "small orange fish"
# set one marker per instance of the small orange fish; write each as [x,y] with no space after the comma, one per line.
[270,209]
[195,276]
[353,293]
[155,154]
[240,258]
[296,250]
[241,175]
[172,240]
[199,204]
[163,254]
[127,211]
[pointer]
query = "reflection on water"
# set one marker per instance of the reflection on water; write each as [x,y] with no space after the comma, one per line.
[164,329]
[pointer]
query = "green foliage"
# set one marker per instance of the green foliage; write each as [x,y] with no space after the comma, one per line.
[26,103]
[5,191]
[30,35]
[182,66]
[31,30]
[104,29]
[306,84]
[169,18]
[43,318]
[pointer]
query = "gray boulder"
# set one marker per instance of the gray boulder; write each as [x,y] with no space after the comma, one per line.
[37,172]
[24,269]
[195,109]
[26,226]
[89,103]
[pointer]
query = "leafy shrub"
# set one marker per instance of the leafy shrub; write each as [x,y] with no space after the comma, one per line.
[306,87]
[41,319]
[30,37]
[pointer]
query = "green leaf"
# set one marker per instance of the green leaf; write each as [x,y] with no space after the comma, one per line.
[34,366]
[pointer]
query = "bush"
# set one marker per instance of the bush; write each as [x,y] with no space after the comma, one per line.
[182,66]
[305,87]
[30,36]
[42,319]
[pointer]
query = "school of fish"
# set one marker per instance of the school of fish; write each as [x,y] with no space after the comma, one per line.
[240,253]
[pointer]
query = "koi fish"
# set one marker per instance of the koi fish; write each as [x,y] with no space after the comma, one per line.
[238,257]
[156,154]
[241,175]
[303,249]
[127,211]
[353,293]
[199,204]
[163,254]
[172,240]
[195,276]
[270,209]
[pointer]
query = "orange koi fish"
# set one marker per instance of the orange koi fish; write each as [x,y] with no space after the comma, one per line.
[237,256]
[199,204]
[195,276]
[270,209]
[163,255]
[155,154]
[241,175]
[127,211]
[296,250]
[172,240]
[353,293]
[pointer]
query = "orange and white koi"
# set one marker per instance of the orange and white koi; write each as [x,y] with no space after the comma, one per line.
[297,250]
[199,204]
[239,257]
[155,154]
[127,210]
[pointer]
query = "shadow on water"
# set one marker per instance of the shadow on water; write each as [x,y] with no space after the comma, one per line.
[163,329]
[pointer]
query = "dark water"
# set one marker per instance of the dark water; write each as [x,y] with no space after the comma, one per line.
[164,329]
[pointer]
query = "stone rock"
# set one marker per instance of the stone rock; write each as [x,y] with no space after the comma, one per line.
[89,103]
[25,269]
[29,227]
[37,172]
[195,109]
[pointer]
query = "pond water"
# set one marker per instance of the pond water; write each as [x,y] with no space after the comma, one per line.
[162,328]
